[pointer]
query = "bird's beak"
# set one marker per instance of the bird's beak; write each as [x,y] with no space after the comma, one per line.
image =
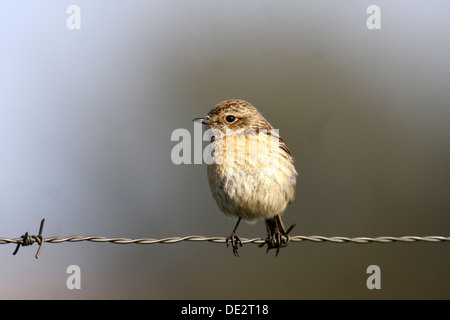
[206,121]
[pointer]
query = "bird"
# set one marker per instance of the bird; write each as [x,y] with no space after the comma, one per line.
[251,174]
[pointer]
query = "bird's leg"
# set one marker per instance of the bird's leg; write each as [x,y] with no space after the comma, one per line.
[234,239]
[277,236]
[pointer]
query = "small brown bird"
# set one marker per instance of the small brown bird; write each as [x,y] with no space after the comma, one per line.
[251,174]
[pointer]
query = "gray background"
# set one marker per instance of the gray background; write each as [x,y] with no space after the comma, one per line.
[86,118]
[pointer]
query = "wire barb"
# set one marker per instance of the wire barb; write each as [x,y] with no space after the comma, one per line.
[28,240]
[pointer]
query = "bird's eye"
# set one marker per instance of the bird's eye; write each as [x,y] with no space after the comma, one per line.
[230,118]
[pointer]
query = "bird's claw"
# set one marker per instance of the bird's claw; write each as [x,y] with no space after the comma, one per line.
[277,239]
[234,240]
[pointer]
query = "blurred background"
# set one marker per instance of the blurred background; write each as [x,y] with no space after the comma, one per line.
[86,118]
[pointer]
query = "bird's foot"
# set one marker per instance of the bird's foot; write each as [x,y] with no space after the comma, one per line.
[234,240]
[277,237]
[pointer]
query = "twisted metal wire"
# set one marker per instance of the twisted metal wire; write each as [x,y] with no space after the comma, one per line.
[361,240]
[26,240]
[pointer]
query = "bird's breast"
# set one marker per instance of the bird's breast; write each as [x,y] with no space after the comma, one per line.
[249,178]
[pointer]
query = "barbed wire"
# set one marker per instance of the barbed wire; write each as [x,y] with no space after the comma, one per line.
[26,240]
